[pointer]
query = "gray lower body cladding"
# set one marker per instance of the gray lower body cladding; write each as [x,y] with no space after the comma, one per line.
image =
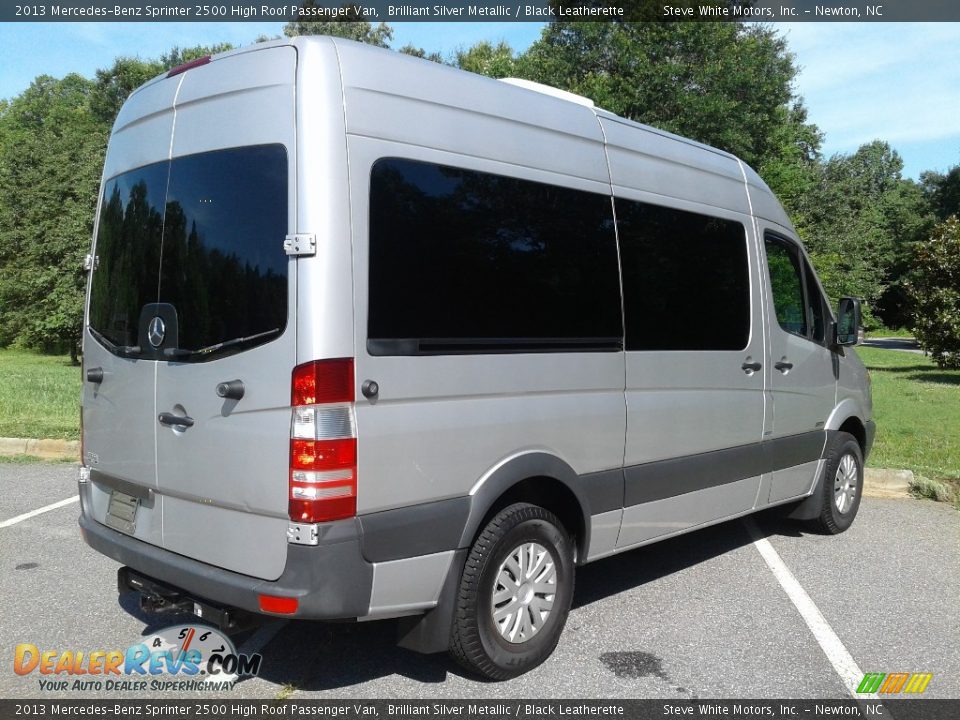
[331,580]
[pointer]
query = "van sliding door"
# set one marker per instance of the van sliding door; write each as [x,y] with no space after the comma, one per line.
[695,357]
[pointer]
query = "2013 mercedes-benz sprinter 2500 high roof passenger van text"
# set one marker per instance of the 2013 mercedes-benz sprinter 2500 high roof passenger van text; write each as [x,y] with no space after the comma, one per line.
[371,337]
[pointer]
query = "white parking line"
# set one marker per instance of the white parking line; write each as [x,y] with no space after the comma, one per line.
[39,511]
[836,652]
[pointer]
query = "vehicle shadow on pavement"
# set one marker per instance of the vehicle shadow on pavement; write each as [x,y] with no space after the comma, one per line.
[611,576]
[314,656]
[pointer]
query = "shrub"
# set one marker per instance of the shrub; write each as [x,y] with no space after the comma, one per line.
[934,287]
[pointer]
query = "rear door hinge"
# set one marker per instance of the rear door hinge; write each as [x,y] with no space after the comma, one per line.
[300,244]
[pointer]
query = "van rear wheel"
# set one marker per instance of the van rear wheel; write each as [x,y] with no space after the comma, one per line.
[514,594]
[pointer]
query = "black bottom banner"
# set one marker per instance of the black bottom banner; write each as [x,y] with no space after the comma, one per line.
[901,709]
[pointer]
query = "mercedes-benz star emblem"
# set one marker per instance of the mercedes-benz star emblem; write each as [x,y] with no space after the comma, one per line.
[156,331]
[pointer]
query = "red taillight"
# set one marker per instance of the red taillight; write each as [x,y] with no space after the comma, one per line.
[314,511]
[323,444]
[277,604]
[323,381]
[188,66]
[323,454]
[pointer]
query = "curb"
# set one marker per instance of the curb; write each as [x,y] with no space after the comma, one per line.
[885,483]
[44,449]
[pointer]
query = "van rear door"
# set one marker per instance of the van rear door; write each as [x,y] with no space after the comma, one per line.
[223,462]
[119,422]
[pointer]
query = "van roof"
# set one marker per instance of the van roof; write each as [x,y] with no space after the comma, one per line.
[538,94]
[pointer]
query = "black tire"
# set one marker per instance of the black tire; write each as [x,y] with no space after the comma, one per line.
[476,642]
[833,519]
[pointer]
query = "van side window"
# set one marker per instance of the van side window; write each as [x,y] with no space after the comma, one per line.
[465,261]
[686,279]
[786,284]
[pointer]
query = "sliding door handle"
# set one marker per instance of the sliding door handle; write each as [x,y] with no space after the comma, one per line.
[751,367]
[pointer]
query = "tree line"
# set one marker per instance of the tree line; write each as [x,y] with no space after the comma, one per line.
[871,232]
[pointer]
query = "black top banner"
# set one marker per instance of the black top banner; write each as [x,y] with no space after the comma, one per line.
[205,708]
[483,10]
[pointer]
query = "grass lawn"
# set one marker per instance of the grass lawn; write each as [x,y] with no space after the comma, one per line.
[39,396]
[888,332]
[917,409]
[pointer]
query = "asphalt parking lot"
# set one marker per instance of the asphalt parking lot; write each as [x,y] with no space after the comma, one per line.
[713,614]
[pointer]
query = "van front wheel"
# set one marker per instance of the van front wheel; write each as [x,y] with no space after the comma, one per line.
[515,593]
[842,485]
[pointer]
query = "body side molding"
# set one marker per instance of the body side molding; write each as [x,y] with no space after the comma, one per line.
[677,476]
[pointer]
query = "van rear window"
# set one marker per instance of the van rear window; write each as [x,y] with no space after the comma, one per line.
[203,233]
[127,252]
[470,262]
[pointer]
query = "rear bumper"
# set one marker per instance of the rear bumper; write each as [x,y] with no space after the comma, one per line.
[331,580]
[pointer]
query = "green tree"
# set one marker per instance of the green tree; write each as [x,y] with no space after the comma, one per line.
[410,49]
[935,288]
[725,84]
[51,151]
[858,220]
[485,58]
[52,142]
[943,191]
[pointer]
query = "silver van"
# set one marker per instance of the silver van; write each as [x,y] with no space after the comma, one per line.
[370,337]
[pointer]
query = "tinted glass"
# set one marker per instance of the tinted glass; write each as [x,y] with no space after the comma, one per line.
[224,267]
[815,303]
[128,252]
[786,284]
[464,261]
[218,223]
[686,281]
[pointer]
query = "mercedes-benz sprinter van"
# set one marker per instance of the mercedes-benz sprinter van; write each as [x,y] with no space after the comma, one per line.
[368,337]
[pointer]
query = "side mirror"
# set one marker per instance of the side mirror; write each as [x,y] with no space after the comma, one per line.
[849,321]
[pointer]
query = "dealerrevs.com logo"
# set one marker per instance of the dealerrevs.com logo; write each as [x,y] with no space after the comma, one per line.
[180,658]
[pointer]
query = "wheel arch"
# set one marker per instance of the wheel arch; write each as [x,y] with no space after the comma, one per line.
[848,417]
[539,478]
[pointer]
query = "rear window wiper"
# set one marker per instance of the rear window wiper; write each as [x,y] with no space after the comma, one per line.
[122,350]
[182,352]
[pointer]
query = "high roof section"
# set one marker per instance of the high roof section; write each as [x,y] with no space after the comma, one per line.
[471,115]
[386,95]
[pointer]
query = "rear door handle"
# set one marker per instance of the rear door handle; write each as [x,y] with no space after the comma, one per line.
[169,419]
[751,367]
[783,365]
